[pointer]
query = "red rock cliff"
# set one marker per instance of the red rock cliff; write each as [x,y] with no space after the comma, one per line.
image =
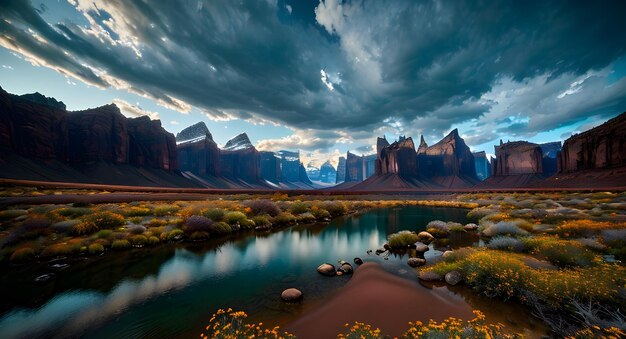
[600,147]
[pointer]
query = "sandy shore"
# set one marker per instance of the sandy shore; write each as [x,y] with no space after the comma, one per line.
[381,299]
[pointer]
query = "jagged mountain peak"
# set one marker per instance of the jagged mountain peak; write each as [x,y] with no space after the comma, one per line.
[193,132]
[239,142]
[41,99]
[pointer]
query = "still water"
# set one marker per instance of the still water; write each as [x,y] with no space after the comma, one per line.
[172,291]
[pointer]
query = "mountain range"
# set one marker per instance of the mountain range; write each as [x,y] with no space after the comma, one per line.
[41,140]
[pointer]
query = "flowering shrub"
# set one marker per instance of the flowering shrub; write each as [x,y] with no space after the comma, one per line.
[597,332]
[456,328]
[360,331]
[228,324]
[585,227]
[561,252]
[505,274]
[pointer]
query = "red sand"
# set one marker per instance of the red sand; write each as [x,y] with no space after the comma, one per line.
[382,300]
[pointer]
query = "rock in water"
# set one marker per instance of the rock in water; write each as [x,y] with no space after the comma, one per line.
[425,237]
[346,268]
[430,276]
[327,269]
[358,261]
[453,277]
[291,295]
[470,227]
[421,248]
[415,262]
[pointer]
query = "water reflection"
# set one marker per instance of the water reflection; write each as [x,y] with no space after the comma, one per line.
[246,273]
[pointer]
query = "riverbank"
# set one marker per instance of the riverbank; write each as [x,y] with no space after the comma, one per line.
[381,299]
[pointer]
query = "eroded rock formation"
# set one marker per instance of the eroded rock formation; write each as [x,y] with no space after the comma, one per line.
[449,157]
[398,158]
[341,170]
[34,126]
[197,152]
[517,157]
[354,167]
[239,160]
[600,147]
[482,165]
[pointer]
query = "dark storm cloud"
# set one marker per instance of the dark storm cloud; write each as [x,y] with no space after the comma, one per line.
[349,66]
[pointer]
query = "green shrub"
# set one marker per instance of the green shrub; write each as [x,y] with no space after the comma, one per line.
[199,236]
[262,206]
[138,240]
[248,224]
[23,254]
[221,228]
[95,248]
[320,213]
[61,249]
[232,218]
[306,218]
[136,211]
[456,228]
[261,221]
[215,214]
[335,208]
[135,220]
[152,241]
[299,207]
[104,234]
[66,226]
[402,239]
[563,253]
[120,244]
[437,232]
[105,220]
[174,234]
[284,219]
[74,212]
[85,228]
[163,210]
[11,214]
[156,222]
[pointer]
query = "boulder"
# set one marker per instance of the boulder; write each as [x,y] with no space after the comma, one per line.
[425,237]
[358,261]
[346,268]
[470,227]
[453,277]
[415,262]
[446,254]
[421,248]
[430,276]
[291,295]
[327,269]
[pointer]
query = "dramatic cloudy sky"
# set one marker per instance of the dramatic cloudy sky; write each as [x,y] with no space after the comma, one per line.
[327,76]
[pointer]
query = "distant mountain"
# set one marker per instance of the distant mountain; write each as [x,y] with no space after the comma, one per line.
[240,142]
[482,165]
[197,152]
[328,173]
[193,133]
